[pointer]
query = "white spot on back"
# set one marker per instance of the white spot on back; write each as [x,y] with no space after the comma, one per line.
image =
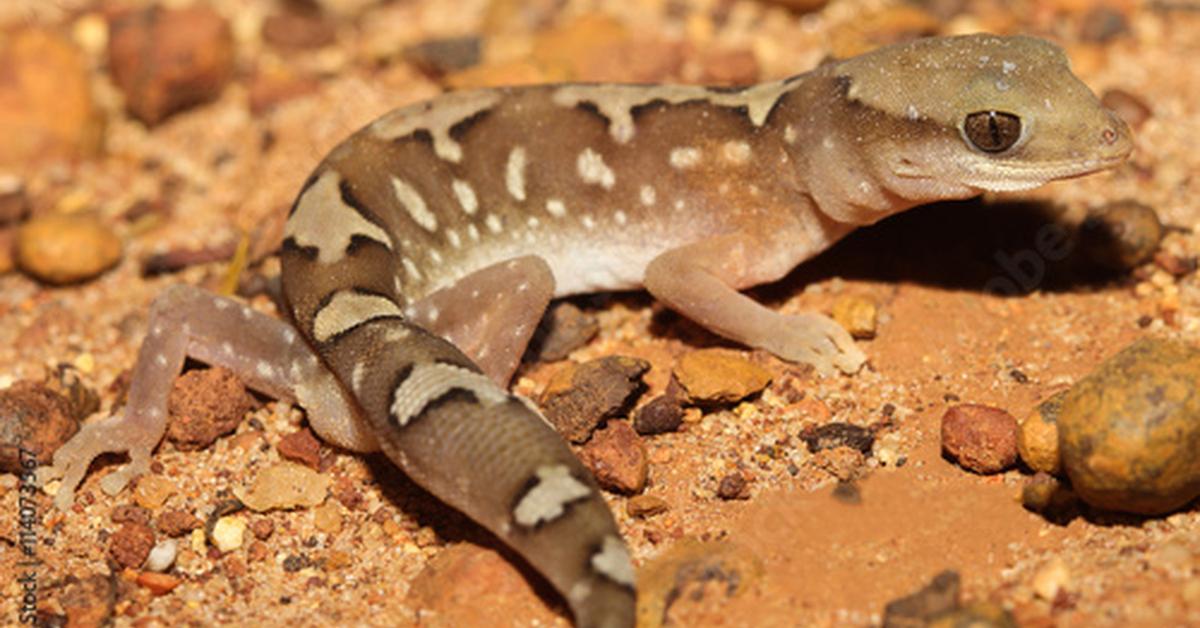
[548,499]
[648,195]
[409,267]
[556,208]
[473,233]
[684,157]
[514,173]
[737,151]
[588,222]
[348,309]
[466,196]
[453,238]
[412,201]
[493,223]
[620,217]
[592,169]
[323,221]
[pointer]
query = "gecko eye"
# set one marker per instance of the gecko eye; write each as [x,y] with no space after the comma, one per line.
[992,131]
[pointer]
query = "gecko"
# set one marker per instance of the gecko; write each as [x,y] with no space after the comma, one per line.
[423,250]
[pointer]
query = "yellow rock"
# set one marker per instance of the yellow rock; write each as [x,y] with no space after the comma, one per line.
[719,376]
[1129,431]
[1037,440]
[66,248]
[858,315]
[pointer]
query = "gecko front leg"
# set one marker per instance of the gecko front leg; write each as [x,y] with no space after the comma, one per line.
[266,353]
[701,281]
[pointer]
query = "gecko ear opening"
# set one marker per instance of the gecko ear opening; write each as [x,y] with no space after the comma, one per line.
[992,131]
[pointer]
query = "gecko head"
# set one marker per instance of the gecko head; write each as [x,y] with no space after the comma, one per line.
[959,115]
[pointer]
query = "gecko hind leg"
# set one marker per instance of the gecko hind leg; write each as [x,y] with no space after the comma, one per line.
[491,314]
[266,353]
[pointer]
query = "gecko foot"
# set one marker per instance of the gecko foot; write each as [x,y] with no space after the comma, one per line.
[71,461]
[815,339]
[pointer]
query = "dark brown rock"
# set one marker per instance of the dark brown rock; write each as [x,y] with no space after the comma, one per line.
[301,446]
[833,435]
[167,60]
[980,438]
[563,329]
[580,397]
[131,544]
[1130,430]
[617,458]
[204,405]
[129,513]
[34,422]
[663,414]
[733,486]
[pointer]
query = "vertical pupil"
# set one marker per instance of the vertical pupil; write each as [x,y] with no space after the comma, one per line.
[994,129]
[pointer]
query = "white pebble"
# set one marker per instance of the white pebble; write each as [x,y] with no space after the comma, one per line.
[162,556]
[228,532]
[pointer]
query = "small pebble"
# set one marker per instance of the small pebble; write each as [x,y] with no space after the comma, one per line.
[858,315]
[204,405]
[167,60]
[301,446]
[839,434]
[66,248]
[940,596]
[661,415]
[1051,578]
[328,517]
[1037,440]
[733,486]
[1120,236]
[563,329]
[617,457]
[887,450]
[262,528]
[158,583]
[228,533]
[1045,494]
[719,376]
[578,398]
[130,545]
[162,556]
[439,57]
[152,491]
[1130,430]
[176,523]
[282,486]
[1101,24]
[980,438]
[643,506]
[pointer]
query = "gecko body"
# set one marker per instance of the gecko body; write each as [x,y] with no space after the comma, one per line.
[422,251]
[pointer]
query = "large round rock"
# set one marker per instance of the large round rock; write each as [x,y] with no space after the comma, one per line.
[1129,432]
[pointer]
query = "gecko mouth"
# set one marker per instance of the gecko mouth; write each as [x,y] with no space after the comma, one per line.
[1010,177]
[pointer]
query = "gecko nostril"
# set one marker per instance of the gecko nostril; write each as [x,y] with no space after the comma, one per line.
[1109,135]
